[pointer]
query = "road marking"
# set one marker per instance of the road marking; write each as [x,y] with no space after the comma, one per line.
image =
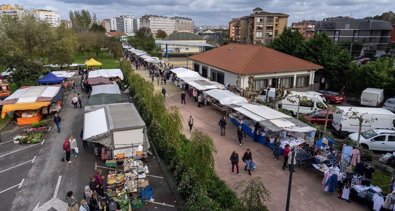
[163,204]
[32,160]
[43,142]
[20,185]
[17,150]
[150,175]
[17,185]
[6,142]
[57,187]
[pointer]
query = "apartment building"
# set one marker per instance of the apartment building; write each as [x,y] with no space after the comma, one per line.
[374,34]
[183,24]
[260,27]
[106,23]
[7,9]
[124,23]
[155,23]
[136,24]
[49,16]
[305,27]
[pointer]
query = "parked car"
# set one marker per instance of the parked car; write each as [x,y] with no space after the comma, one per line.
[389,104]
[374,118]
[8,72]
[376,139]
[372,97]
[319,117]
[332,97]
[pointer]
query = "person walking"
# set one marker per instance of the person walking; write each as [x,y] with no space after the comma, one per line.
[87,193]
[190,123]
[200,100]
[240,134]
[183,97]
[222,125]
[93,184]
[234,159]
[72,203]
[67,149]
[57,121]
[84,205]
[84,142]
[285,154]
[247,158]
[73,145]
[276,148]
[100,182]
[163,91]
[95,202]
[292,162]
[74,100]
[79,100]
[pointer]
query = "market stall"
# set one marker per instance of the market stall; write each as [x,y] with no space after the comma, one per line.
[118,127]
[92,63]
[105,94]
[27,103]
[222,100]
[205,84]
[98,81]
[64,74]
[49,79]
[106,73]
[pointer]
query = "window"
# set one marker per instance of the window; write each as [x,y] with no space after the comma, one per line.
[259,27]
[302,81]
[306,103]
[258,34]
[259,20]
[391,138]
[379,138]
[286,82]
[261,84]
[321,105]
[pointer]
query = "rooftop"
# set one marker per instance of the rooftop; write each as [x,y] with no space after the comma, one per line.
[183,36]
[252,60]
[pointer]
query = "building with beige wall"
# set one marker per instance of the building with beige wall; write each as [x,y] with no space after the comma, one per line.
[155,23]
[260,27]
[106,23]
[7,9]
[183,24]
[49,16]
[305,27]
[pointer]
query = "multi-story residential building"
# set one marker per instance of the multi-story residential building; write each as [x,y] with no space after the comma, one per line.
[305,27]
[113,24]
[124,24]
[106,23]
[49,16]
[136,24]
[67,23]
[155,23]
[183,24]
[374,34]
[260,27]
[7,9]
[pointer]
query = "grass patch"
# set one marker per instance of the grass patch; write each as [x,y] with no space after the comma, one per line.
[3,122]
[382,180]
[104,57]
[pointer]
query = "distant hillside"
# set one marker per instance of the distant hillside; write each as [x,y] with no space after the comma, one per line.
[386,16]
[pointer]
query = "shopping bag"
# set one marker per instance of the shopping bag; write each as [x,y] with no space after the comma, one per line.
[253,166]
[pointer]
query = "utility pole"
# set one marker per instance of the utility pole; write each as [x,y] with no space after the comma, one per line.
[291,170]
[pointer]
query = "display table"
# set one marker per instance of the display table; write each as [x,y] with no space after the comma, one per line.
[28,120]
[249,131]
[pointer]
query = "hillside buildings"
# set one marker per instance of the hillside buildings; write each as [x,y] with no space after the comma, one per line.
[7,9]
[260,27]
[49,16]
[305,27]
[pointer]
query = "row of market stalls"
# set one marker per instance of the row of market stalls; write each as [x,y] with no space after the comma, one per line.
[143,55]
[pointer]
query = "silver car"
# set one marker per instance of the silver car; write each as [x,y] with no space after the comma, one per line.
[389,104]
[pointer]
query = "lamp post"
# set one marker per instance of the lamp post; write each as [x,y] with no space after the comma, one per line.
[291,170]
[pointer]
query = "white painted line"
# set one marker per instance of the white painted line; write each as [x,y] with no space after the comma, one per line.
[43,142]
[57,187]
[34,159]
[1,143]
[20,185]
[36,207]
[17,150]
[163,204]
[17,185]
[150,175]
[18,165]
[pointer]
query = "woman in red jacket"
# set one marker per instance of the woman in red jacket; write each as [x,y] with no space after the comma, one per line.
[285,154]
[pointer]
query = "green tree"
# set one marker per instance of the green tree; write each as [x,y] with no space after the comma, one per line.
[97,28]
[290,42]
[64,46]
[161,34]
[144,40]
[254,195]
[26,71]
[80,20]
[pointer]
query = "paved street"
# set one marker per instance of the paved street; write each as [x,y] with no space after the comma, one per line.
[307,192]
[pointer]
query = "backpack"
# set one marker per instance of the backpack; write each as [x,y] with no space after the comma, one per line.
[66,145]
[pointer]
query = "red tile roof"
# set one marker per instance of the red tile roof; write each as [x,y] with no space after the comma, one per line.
[244,59]
[115,34]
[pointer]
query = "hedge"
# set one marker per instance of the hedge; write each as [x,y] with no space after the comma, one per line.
[191,161]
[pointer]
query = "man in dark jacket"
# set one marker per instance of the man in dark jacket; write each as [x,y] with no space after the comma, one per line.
[222,125]
[247,158]
[183,97]
[57,121]
[240,134]
[234,159]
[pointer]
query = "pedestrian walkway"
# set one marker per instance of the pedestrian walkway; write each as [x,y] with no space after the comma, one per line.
[307,193]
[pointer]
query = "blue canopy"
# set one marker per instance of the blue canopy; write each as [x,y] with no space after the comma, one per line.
[50,78]
[320,142]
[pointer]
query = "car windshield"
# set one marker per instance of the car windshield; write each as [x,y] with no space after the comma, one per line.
[391,101]
[368,134]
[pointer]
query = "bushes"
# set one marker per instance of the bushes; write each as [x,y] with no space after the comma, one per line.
[191,161]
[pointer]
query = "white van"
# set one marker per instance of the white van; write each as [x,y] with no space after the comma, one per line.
[374,118]
[309,101]
[372,97]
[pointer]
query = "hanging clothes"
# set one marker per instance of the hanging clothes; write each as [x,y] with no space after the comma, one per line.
[389,201]
[330,182]
[355,157]
[346,193]
[378,202]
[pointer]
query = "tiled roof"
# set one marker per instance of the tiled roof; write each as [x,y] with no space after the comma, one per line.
[115,34]
[252,60]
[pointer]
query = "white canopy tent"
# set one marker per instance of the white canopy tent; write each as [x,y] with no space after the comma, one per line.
[105,89]
[226,97]
[95,124]
[106,73]
[203,85]
[33,93]
[64,74]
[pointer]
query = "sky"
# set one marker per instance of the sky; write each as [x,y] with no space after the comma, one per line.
[214,12]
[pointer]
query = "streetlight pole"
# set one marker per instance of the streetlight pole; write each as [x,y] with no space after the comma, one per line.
[291,170]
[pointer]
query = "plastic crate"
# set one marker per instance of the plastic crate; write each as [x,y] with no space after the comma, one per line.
[146,193]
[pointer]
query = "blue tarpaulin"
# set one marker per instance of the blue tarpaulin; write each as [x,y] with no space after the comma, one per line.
[50,78]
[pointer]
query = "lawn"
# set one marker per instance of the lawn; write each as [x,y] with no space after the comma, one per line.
[3,122]
[105,58]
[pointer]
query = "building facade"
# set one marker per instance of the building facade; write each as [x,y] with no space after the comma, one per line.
[136,24]
[113,24]
[237,64]
[155,23]
[374,34]
[305,27]
[7,9]
[124,23]
[106,23]
[260,27]
[183,24]
[49,16]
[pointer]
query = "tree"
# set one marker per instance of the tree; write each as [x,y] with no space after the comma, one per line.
[161,34]
[290,42]
[254,195]
[26,71]
[144,32]
[385,16]
[97,28]
[144,40]
[361,119]
[64,47]
[80,20]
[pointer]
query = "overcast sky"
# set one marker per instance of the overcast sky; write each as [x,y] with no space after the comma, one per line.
[215,12]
